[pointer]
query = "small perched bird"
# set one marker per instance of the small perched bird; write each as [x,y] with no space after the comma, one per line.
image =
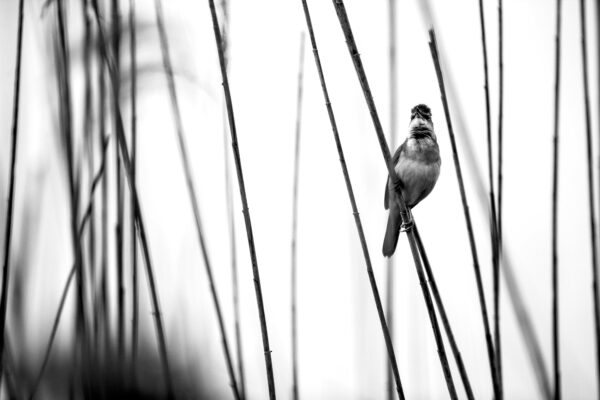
[416,164]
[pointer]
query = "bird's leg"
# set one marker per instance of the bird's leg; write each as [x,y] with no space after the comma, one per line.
[407,220]
[405,212]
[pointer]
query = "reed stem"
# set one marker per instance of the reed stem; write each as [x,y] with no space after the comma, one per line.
[498,237]
[230,215]
[463,196]
[120,195]
[444,317]
[294,269]
[11,185]
[555,293]
[134,256]
[392,138]
[354,54]
[245,210]
[493,217]
[162,344]
[357,221]
[87,216]
[192,190]
[590,187]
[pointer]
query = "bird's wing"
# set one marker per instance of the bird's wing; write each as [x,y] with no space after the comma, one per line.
[394,161]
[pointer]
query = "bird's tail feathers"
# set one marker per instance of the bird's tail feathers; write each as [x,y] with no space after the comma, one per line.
[392,232]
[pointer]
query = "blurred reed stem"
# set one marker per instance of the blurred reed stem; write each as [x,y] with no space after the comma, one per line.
[444,317]
[102,298]
[191,188]
[590,174]
[246,212]
[88,138]
[162,344]
[11,187]
[87,216]
[294,269]
[392,138]
[357,221]
[555,293]
[362,78]
[63,71]
[481,294]
[120,200]
[135,310]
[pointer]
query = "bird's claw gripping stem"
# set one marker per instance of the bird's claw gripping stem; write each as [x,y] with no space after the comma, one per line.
[407,226]
[407,221]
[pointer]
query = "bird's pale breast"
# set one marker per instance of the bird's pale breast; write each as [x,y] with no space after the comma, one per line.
[418,168]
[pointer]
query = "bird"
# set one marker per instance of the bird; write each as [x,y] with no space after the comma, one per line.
[416,168]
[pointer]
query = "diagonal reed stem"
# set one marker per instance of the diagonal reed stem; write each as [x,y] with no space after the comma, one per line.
[162,343]
[361,235]
[362,78]
[525,326]
[11,185]
[192,190]
[444,317]
[555,310]
[230,216]
[590,174]
[246,212]
[294,272]
[87,216]
[134,256]
[484,314]
[493,217]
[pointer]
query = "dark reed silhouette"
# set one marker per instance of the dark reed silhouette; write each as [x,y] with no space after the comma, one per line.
[365,250]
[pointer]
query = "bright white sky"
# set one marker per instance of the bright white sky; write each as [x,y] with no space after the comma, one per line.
[341,347]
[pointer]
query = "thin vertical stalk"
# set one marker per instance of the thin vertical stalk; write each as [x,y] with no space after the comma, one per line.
[11,185]
[444,317]
[469,225]
[555,310]
[231,217]
[246,212]
[598,71]
[498,236]
[104,317]
[89,141]
[590,186]
[500,118]
[493,217]
[191,189]
[160,332]
[294,269]
[116,52]
[134,256]
[362,78]
[365,250]
[390,260]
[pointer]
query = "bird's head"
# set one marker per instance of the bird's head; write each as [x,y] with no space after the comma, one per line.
[420,122]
